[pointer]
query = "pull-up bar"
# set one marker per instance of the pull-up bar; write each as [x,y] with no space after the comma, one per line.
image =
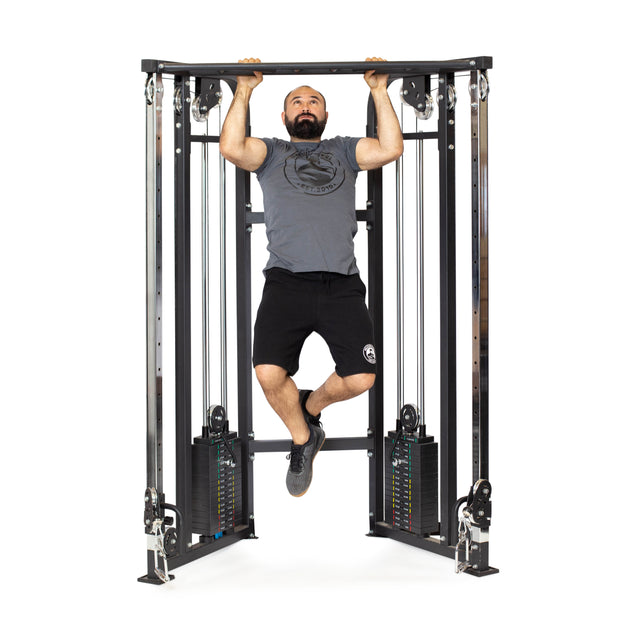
[394,69]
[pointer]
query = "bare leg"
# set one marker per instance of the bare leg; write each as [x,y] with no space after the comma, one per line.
[282,394]
[337,389]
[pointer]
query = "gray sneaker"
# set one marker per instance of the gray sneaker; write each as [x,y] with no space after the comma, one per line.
[301,457]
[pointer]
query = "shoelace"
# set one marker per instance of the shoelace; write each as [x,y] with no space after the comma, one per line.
[296,458]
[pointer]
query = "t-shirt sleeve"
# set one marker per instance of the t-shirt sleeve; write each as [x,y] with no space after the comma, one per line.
[270,142]
[350,145]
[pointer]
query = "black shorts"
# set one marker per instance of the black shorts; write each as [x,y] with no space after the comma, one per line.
[296,304]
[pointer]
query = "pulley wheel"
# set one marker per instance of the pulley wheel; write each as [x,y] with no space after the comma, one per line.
[216,416]
[197,113]
[171,542]
[177,100]
[428,109]
[409,417]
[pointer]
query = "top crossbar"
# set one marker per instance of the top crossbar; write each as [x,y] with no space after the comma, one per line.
[394,69]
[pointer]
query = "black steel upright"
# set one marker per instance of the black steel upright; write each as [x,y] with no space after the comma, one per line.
[375,293]
[182,197]
[243,285]
[448,377]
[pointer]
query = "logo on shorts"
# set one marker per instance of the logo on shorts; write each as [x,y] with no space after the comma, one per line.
[315,174]
[369,354]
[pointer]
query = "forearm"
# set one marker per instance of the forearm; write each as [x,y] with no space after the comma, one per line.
[387,146]
[389,133]
[233,136]
[245,152]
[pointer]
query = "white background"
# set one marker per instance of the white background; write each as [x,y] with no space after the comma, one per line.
[564,350]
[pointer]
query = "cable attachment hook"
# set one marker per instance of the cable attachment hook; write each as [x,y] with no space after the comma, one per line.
[163,542]
[155,543]
[464,541]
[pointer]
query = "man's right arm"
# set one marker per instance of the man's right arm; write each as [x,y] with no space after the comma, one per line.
[245,152]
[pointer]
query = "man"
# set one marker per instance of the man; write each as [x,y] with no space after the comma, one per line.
[312,281]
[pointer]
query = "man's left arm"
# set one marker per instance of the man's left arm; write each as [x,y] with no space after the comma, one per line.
[372,153]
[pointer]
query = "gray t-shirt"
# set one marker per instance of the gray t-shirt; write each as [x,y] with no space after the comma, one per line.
[309,204]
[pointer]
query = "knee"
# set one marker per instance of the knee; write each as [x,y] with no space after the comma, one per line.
[270,376]
[360,382]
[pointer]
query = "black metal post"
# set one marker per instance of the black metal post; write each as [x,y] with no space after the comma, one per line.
[448,416]
[375,299]
[245,368]
[182,197]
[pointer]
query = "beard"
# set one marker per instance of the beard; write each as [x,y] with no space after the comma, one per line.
[305,129]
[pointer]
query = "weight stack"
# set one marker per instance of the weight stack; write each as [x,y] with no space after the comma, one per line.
[216,487]
[411,484]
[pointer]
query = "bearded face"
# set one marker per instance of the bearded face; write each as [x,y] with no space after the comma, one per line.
[305,126]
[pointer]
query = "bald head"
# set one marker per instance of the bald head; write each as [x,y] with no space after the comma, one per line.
[304,89]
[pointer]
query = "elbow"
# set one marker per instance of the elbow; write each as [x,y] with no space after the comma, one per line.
[224,149]
[395,152]
[229,152]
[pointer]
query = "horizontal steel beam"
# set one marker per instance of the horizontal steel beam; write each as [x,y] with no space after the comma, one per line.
[395,69]
[384,530]
[330,444]
[202,549]
[257,217]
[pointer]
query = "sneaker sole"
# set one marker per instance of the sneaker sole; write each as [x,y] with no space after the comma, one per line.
[299,495]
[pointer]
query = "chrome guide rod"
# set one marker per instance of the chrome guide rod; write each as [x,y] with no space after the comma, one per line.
[223,272]
[154,93]
[205,278]
[478,88]
[400,271]
[420,267]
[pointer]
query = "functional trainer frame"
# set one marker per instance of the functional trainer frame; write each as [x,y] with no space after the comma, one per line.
[169,548]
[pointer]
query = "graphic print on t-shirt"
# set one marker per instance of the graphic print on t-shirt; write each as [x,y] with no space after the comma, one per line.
[315,174]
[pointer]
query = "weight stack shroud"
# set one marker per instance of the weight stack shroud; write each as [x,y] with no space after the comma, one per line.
[216,487]
[411,486]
